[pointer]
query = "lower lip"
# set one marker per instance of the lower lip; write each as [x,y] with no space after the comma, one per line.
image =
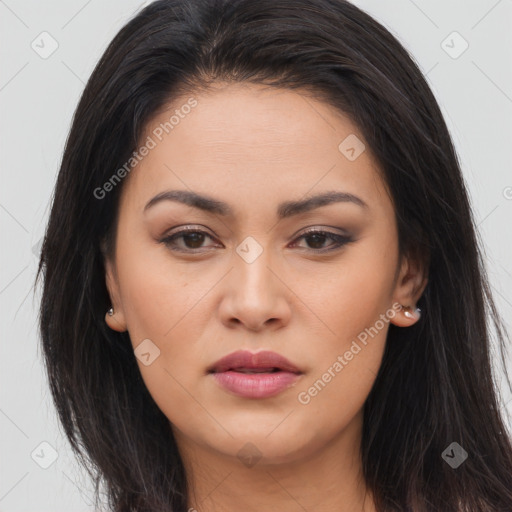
[256,385]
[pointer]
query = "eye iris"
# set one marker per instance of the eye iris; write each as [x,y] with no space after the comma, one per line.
[197,239]
[317,238]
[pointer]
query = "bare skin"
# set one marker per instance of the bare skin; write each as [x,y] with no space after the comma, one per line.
[254,148]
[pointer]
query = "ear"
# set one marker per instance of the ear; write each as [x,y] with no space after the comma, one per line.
[117,321]
[409,286]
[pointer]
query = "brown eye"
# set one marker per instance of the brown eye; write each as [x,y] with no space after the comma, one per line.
[192,239]
[317,238]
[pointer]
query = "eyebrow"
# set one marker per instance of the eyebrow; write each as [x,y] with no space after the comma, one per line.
[284,210]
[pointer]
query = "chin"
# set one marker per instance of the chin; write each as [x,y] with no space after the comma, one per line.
[264,446]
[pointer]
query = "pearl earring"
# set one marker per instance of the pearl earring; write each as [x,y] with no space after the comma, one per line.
[110,312]
[408,314]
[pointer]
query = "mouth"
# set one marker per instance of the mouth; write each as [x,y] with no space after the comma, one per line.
[246,362]
[255,376]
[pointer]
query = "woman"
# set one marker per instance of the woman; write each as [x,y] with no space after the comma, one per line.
[263,288]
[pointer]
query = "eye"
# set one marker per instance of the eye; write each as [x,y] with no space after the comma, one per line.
[192,239]
[317,238]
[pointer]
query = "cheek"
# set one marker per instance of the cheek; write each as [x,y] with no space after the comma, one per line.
[355,308]
[158,295]
[165,306]
[349,296]
[346,365]
[164,302]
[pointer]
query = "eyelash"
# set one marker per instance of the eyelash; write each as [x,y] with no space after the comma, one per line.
[340,240]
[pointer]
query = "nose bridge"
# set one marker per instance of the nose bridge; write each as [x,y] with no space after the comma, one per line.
[252,267]
[255,294]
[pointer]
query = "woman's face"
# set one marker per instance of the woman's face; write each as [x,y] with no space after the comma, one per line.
[250,278]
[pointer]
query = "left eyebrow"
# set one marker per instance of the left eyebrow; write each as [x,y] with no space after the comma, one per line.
[290,208]
[284,210]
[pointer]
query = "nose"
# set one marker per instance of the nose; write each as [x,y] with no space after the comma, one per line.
[255,295]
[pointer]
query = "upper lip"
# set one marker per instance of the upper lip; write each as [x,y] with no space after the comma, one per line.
[243,359]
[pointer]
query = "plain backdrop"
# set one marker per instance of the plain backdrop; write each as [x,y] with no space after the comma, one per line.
[469,71]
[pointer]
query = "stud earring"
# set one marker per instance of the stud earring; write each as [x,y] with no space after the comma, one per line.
[110,312]
[408,314]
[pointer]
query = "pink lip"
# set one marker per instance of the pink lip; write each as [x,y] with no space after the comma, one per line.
[227,372]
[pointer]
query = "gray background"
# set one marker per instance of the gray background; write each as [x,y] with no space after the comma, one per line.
[37,99]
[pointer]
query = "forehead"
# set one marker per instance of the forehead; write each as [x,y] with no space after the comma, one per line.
[242,138]
[244,120]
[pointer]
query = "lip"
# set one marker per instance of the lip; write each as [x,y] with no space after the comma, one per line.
[248,360]
[228,373]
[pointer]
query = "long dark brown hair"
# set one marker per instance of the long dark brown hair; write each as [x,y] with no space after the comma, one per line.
[435,385]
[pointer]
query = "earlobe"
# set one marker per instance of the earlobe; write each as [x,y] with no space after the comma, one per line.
[113,322]
[114,317]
